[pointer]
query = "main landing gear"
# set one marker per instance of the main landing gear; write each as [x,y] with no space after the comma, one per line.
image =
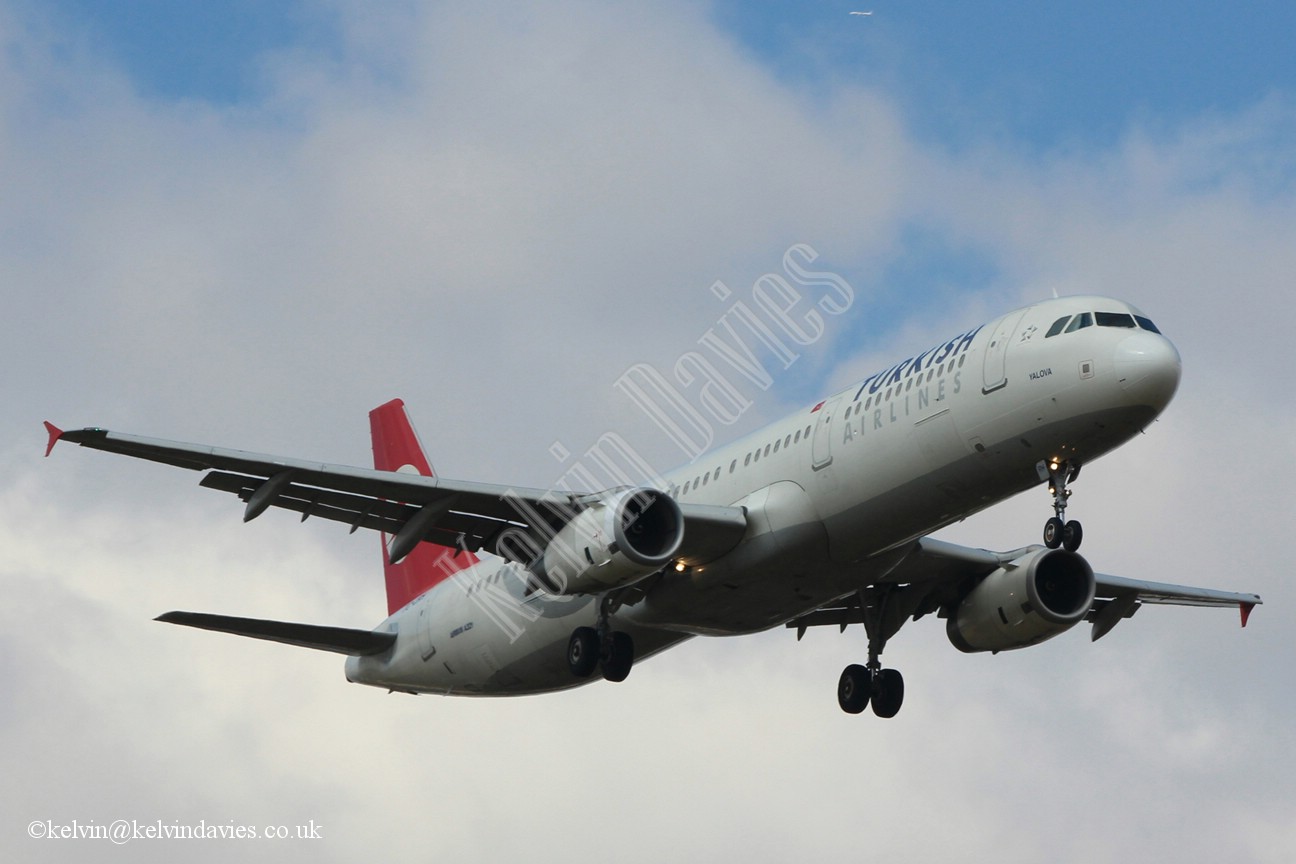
[860,685]
[592,647]
[1058,531]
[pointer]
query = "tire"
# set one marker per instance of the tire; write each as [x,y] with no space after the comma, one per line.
[616,666]
[888,693]
[1053,531]
[1072,534]
[583,652]
[854,688]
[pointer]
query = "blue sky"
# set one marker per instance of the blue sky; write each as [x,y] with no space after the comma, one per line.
[247,224]
[1051,75]
[206,51]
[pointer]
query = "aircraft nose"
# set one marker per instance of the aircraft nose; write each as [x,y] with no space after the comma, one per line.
[1148,367]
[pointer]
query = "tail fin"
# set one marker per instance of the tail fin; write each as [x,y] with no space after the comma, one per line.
[396,447]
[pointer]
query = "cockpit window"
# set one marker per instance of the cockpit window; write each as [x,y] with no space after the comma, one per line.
[1079,322]
[1146,324]
[1068,324]
[1114,319]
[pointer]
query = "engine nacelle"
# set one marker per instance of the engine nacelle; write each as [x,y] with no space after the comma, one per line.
[621,539]
[1025,602]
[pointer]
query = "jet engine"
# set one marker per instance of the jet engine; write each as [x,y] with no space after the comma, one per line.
[1033,598]
[625,536]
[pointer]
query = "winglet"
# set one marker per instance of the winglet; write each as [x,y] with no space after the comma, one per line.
[55,434]
[1245,609]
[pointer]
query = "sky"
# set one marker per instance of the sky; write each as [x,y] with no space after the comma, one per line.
[247,224]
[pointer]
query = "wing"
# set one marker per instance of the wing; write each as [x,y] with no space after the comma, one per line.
[409,507]
[933,575]
[1121,597]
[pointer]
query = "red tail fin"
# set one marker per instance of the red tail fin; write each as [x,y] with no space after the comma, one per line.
[396,447]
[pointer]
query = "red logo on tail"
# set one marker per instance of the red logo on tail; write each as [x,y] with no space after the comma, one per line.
[396,447]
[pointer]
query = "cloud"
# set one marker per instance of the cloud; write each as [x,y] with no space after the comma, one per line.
[492,214]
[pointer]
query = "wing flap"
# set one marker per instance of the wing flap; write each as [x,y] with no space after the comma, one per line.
[339,640]
[453,528]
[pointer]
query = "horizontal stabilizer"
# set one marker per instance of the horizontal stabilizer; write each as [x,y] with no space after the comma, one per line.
[340,640]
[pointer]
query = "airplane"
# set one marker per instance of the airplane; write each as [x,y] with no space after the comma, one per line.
[822,518]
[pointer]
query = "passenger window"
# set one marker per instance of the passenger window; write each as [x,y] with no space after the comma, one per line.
[733,466]
[1114,319]
[776,446]
[787,442]
[1146,324]
[1057,326]
[747,461]
[1081,321]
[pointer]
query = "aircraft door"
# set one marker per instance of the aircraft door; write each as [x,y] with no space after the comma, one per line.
[821,447]
[996,354]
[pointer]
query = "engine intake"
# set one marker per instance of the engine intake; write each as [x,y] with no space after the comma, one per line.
[615,542]
[1025,602]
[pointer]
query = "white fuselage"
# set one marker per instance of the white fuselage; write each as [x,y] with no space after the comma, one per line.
[834,494]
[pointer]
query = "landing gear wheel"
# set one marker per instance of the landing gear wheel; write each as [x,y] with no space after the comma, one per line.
[1072,534]
[888,692]
[854,688]
[583,652]
[1058,531]
[618,657]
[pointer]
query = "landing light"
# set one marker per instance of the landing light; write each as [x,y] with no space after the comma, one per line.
[680,566]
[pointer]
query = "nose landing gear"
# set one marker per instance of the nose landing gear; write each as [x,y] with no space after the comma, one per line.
[1058,531]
